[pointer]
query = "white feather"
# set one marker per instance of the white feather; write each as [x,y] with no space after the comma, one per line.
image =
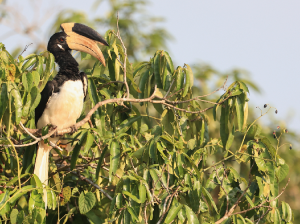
[60,46]
[64,108]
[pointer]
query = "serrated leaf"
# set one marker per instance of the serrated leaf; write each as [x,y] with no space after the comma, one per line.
[86,202]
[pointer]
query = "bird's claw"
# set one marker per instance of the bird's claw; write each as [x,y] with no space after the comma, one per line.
[73,129]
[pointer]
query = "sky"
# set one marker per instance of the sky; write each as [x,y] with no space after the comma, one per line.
[262,37]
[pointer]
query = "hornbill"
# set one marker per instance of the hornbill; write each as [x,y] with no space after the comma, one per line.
[62,98]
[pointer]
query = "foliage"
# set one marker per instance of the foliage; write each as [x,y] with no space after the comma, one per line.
[147,162]
[139,163]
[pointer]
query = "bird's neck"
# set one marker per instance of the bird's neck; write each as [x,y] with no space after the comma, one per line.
[67,64]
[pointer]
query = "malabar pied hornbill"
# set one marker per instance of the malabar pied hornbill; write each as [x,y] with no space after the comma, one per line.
[62,98]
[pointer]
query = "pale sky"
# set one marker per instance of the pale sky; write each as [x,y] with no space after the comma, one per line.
[262,37]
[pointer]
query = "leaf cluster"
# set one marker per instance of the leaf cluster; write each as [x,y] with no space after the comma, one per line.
[138,163]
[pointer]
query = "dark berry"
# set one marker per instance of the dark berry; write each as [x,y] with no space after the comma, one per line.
[290,147]
[265,106]
[286,131]
[276,111]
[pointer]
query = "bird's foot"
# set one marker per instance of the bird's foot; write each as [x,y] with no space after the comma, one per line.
[73,129]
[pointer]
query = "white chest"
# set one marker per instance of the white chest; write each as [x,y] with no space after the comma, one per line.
[64,108]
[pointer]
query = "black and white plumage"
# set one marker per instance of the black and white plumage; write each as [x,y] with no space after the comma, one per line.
[62,98]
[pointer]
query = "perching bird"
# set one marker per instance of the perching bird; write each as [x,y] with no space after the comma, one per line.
[62,98]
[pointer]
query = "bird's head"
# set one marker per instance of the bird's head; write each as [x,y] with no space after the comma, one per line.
[76,36]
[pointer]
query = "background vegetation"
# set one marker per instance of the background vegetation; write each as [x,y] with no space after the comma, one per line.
[155,162]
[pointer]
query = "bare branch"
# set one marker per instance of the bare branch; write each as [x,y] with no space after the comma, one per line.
[92,183]
[125,56]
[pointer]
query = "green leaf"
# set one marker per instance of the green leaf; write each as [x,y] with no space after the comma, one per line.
[142,192]
[3,199]
[142,83]
[93,217]
[154,175]
[243,86]
[170,62]
[287,213]
[282,171]
[17,102]
[88,142]
[117,69]
[114,159]
[35,200]
[209,199]
[49,65]
[126,124]
[36,78]
[39,67]
[238,219]
[13,216]
[187,83]
[19,193]
[132,213]
[51,199]
[111,67]
[239,107]
[157,69]
[179,78]
[35,98]
[168,122]
[20,217]
[100,162]
[175,208]
[76,150]
[191,216]
[119,200]
[86,202]
[27,80]
[193,165]
[132,196]
[180,164]
[26,106]
[4,99]
[230,138]
[29,62]
[189,73]
[37,182]
[224,123]
[182,215]
[275,216]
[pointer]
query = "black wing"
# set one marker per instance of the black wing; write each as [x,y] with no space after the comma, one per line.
[51,87]
[84,80]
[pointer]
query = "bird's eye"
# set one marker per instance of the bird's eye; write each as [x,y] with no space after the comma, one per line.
[61,39]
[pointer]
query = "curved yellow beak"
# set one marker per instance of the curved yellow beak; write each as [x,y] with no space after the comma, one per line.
[83,38]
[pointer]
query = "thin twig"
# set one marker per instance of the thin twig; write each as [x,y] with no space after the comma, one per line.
[92,183]
[125,56]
